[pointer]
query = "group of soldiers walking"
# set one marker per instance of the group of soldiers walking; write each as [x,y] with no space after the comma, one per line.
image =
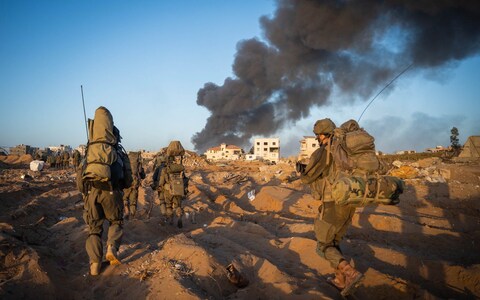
[116,198]
[63,160]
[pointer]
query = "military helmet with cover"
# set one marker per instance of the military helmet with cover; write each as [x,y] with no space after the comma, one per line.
[324,126]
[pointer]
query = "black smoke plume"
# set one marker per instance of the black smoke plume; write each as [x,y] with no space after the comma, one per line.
[312,48]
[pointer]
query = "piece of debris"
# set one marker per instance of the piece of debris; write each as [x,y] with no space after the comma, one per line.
[235,277]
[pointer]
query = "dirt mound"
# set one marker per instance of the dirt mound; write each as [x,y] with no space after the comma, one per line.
[16,159]
[255,217]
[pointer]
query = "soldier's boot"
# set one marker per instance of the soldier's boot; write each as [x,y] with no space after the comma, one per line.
[95,268]
[352,278]
[112,255]
[179,222]
[338,280]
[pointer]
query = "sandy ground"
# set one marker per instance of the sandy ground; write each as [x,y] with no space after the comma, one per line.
[427,247]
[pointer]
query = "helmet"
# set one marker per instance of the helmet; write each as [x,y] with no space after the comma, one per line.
[324,126]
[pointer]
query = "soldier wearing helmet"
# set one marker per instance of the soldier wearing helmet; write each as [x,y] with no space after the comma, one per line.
[333,220]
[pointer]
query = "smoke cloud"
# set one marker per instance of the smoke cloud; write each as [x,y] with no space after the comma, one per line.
[313,48]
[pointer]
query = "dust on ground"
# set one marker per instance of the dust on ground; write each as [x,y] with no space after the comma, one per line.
[255,216]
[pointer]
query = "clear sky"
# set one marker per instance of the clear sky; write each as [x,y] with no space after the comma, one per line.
[146,60]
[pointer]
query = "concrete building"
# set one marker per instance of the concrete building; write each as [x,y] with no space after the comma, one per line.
[22,150]
[307,146]
[405,152]
[60,148]
[436,149]
[224,151]
[267,149]
[81,149]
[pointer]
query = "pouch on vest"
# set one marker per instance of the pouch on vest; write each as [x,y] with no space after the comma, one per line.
[176,179]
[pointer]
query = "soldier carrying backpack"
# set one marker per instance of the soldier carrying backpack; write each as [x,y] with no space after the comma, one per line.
[342,173]
[103,174]
[130,195]
[174,183]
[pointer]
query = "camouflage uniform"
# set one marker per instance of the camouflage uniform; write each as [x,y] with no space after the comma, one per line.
[333,220]
[76,159]
[58,161]
[66,160]
[100,205]
[103,199]
[130,196]
[159,166]
[170,204]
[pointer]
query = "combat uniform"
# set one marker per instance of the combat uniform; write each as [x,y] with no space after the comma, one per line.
[333,220]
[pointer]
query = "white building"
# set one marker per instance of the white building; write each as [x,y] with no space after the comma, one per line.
[267,149]
[307,146]
[436,149]
[61,148]
[405,152]
[224,151]
[82,149]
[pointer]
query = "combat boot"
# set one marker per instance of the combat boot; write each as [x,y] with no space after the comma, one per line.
[352,278]
[95,268]
[338,280]
[112,255]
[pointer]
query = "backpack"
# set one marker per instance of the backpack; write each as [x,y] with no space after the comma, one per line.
[356,167]
[177,182]
[175,148]
[106,162]
[353,149]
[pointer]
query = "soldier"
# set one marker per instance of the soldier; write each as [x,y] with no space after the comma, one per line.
[174,183]
[76,159]
[51,161]
[160,163]
[102,192]
[66,160]
[130,195]
[58,161]
[332,222]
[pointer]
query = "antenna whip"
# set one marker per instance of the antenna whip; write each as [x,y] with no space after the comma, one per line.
[371,101]
[84,113]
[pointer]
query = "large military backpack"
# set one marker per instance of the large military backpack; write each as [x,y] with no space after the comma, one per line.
[177,182]
[175,148]
[356,164]
[354,149]
[106,161]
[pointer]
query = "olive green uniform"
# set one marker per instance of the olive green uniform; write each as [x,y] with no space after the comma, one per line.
[169,204]
[76,159]
[130,197]
[332,221]
[101,205]
[159,166]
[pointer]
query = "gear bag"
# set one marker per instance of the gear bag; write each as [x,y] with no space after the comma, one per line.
[356,167]
[175,148]
[177,181]
[356,190]
[106,162]
[353,149]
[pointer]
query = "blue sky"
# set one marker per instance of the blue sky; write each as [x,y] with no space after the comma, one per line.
[145,61]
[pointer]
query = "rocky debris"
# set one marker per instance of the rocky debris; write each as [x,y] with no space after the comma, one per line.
[431,169]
